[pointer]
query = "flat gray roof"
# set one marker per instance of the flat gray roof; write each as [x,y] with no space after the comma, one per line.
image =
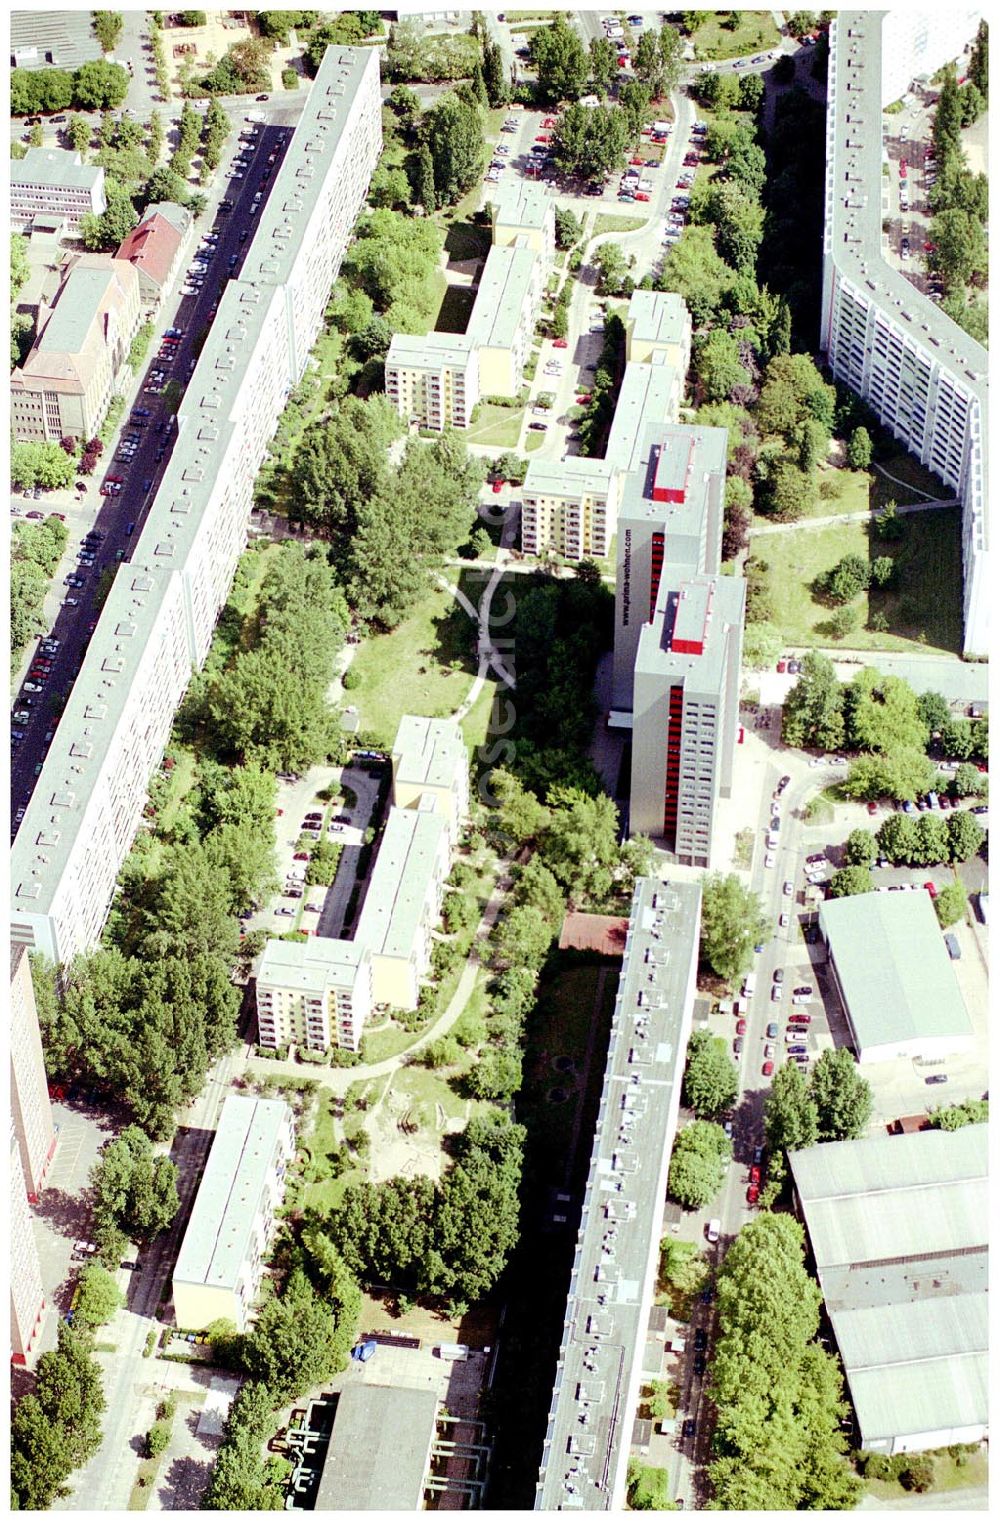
[313,966]
[648,395]
[238,1168]
[704,456]
[67,35]
[430,351]
[898,1227]
[76,309]
[397,888]
[429,752]
[696,609]
[504,292]
[570,476]
[58,167]
[380,1449]
[603,1348]
[74,766]
[521,204]
[893,968]
[658,316]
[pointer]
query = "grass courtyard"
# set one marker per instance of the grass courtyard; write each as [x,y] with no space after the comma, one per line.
[425,666]
[714,38]
[923,609]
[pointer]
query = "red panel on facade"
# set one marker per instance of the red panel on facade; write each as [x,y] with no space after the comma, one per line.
[656,552]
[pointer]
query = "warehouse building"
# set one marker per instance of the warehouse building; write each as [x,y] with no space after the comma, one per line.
[218,1269]
[380,1449]
[600,1367]
[894,977]
[898,1230]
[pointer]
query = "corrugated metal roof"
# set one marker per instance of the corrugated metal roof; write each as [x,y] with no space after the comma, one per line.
[893,968]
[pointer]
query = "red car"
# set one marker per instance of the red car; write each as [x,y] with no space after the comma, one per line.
[781,666]
[498,487]
[741,1027]
[549,121]
[636,160]
[560,343]
[767,1069]
[544,137]
[932,890]
[754,1174]
[641,195]
[301,856]
[584,398]
[753,1194]
[872,806]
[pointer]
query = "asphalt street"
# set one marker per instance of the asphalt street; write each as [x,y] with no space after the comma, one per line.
[113,515]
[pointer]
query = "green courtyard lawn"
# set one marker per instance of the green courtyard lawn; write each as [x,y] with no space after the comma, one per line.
[533,441]
[609,222]
[909,471]
[971,1472]
[476,724]
[755,32]
[924,609]
[853,492]
[425,666]
[499,426]
[181,781]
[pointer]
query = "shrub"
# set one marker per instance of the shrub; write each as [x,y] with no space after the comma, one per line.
[918,1473]
[351,679]
[289,79]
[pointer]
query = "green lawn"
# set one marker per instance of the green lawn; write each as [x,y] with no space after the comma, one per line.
[948,1475]
[756,30]
[425,1089]
[608,222]
[533,441]
[181,782]
[904,466]
[853,489]
[923,610]
[496,425]
[388,1042]
[425,666]
[476,724]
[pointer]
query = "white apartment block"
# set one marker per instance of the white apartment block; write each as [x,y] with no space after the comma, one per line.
[87,803]
[430,761]
[403,902]
[54,182]
[524,213]
[433,381]
[503,319]
[218,1269]
[30,1106]
[924,377]
[27,1296]
[317,995]
[569,507]
[88,800]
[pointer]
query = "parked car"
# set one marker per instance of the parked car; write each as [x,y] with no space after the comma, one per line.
[936,1078]
[772,1031]
[798,1018]
[767,1069]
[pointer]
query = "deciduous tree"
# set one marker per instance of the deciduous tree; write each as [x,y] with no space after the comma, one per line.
[732,922]
[711,1081]
[842,1096]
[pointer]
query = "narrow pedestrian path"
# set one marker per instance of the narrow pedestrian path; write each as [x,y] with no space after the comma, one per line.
[861,517]
[898,481]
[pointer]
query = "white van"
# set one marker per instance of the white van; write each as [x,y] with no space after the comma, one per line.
[712,1229]
[749,985]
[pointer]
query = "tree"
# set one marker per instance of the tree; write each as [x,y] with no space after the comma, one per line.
[698,1164]
[108,27]
[41,1460]
[843,1098]
[762,645]
[711,1081]
[113,225]
[612,269]
[658,60]
[732,922]
[859,449]
[536,886]
[589,141]
[495,74]
[292,1344]
[881,714]
[751,92]
[850,880]
[40,465]
[569,228]
[860,848]
[791,492]
[978,66]
[849,576]
[960,251]
[559,57]
[580,845]
[522,816]
[70,1393]
[813,710]
[791,1119]
[521,939]
[969,1112]
[99,1297]
[134,1192]
[648,1488]
[905,774]
[718,365]
[951,904]
[603,65]
[695,270]
[965,835]
[99,85]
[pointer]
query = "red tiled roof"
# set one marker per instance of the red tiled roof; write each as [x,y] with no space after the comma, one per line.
[603,933]
[151,248]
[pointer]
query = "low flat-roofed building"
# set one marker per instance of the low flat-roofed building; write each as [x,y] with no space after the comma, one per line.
[403,902]
[898,1227]
[52,39]
[894,976]
[54,182]
[658,322]
[380,1449]
[154,249]
[316,994]
[502,323]
[433,380]
[605,1324]
[523,211]
[218,1269]
[570,506]
[79,357]
[429,760]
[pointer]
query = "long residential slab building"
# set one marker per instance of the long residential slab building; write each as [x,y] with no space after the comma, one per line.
[159,617]
[923,376]
[599,1371]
